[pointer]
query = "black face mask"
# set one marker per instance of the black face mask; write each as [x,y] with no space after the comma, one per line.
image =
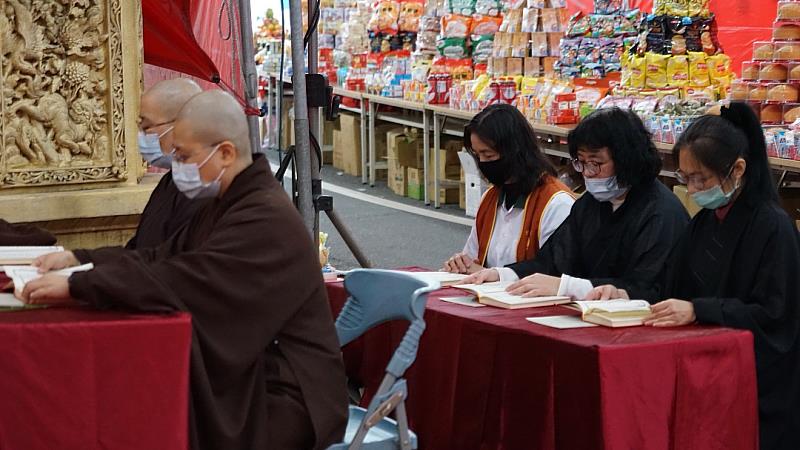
[494,171]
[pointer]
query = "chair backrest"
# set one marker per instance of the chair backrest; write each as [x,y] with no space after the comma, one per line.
[377,296]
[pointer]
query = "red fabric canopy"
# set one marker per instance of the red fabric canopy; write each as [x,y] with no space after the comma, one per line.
[199,38]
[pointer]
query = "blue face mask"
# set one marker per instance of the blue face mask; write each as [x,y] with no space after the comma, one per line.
[604,189]
[714,198]
[150,149]
[187,179]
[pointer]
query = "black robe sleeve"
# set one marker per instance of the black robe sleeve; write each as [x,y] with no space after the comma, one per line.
[560,248]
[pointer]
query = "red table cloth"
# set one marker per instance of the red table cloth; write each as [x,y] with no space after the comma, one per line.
[486,378]
[82,379]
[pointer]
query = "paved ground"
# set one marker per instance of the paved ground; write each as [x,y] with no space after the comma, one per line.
[389,237]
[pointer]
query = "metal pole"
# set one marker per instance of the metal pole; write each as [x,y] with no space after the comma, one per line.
[313,119]
[249,72]
[301,126]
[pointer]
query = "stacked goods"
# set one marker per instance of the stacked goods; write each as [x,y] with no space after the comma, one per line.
[528,39]
[593,44]
[352,45]
[770,82]
[393,34]
[677,54]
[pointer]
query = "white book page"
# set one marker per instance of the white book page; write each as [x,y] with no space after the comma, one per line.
[486,288]
[9,301]
[14,253]
[21,275]
[441,277]
[561,322]
[618,305]
[466,301]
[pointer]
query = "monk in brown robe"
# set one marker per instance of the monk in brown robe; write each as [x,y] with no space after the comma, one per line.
[168,209]
[21,235]
[266,366]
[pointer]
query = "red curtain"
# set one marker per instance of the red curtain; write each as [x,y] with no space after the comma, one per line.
[739,23]
[194,38]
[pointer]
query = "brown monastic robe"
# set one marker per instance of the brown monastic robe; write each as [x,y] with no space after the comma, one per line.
[14,234]
[167,211]
[266,366]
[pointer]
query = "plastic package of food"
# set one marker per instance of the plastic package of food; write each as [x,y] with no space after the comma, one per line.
[758,92]
[773,71]
[456,26]
[794,71]
[791,112]
[530,20]
[787,51]
[782,92]
[739,90]
[750,70]
[410,13]
[771,114]
[788,10]
[785,31]
[763,50]
[698,69]
[482,25]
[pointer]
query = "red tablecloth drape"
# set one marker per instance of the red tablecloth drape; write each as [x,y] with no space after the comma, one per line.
[485,378]
[78,379]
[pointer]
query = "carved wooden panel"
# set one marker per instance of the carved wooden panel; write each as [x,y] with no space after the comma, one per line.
[61,103]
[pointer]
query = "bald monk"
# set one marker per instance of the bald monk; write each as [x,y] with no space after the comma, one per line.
[168,209]
[16,234]
[265,362]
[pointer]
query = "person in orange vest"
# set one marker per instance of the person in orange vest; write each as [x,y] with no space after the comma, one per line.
[526,202]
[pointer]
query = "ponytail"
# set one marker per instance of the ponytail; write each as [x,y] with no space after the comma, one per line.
[717,141]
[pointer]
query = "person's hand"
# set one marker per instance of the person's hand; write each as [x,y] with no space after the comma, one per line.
[536,285]
[461,263]
[484,276]
[607,292]
[671,313]
[50,289]
[55,261]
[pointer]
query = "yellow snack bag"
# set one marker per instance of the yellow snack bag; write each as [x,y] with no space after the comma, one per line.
[719,66]
[656,70]
[698,69]
[678,71]
[638,68]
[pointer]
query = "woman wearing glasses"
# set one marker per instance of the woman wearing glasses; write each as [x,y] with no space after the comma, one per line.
[526,202]
[620,232]
[737,263]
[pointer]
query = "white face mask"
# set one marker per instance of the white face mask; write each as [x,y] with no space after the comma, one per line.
[187,179]
[604,189]
[150,149]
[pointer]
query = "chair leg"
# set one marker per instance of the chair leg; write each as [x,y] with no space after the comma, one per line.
[402,426]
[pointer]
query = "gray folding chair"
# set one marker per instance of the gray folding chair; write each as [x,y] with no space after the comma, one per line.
[377,296]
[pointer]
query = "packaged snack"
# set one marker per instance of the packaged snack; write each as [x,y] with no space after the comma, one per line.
[540,46]
[719,67]
[794,72]
[638,69]
[515,4]
[460,69]
[678,45]
[771,114]
[788,10]
[410,12]
[384,17]
[607,6]
[782,92]
[739,90]
[512,21]
[758,92]
[787,51]
[610,50]
[554,42]
[462,7]
[602,26]
[626,23]
[426,41]
[678,71]
[750,70]
[429,23]
[552,19]
[482,47]
[579,25]
[485,25]
[772,71]
[763,50]
[698,69]
[786,31]
[452,47]
[488,7]
[502,45]
[538,4]
[656,36]
[791,112]
[455,26]
[558,3]
[530,20]
[656,67]
[519,45]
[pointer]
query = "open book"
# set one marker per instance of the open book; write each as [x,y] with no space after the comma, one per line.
[24,255]
[444,278]
[20,275]
[613,313]
[494,294]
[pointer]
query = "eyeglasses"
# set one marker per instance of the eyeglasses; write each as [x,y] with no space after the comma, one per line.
[145,129]
[589,168]
[696,181]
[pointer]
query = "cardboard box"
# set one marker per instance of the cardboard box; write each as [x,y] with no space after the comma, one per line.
[347,145]
[448,196]
[415,181]
[531,67]
[409,151]
[514,66]
[396,179]
[549,64]
[686,200]
[497,66]
[449,165]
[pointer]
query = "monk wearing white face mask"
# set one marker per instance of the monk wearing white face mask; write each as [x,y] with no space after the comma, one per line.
[167,210]
[622,229]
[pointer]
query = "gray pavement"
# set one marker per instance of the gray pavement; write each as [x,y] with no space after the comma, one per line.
[390,238]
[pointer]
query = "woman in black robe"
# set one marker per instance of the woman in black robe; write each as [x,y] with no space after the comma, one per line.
[737,264]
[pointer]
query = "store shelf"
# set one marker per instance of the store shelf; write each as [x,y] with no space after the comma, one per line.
[350,109]
[400,119]
[395,102]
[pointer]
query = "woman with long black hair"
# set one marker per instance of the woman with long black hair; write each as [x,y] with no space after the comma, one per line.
[526,202]
[738,264]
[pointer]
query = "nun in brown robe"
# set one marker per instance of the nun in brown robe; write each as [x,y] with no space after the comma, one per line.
[266,370]
[21,235]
